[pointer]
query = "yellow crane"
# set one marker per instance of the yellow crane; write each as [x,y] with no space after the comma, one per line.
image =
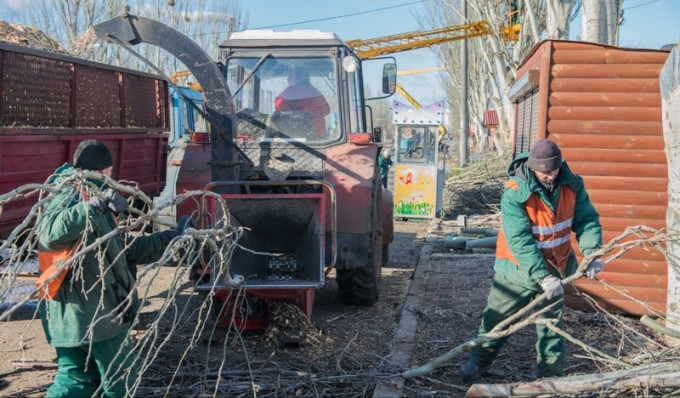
[405,94]
[181,78]
[416,104]
[378,46]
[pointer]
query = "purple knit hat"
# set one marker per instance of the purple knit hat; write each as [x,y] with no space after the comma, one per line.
[545,156]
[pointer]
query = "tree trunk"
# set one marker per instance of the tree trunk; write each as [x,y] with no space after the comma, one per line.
[592,21]
[601,20]
[557,26]
[664,375]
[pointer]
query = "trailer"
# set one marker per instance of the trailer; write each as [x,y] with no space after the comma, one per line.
[50,103]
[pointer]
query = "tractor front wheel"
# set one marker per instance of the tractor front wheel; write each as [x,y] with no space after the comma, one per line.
[358,286]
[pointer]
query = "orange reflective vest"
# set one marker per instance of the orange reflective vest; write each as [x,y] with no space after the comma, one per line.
[49,262]
[551,229]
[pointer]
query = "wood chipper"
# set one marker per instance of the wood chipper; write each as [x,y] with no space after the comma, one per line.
[291,152]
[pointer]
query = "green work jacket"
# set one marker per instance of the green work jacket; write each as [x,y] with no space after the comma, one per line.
[384,165]
[98,287]
[517,227]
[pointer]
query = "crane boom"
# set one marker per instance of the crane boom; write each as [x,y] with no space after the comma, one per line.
[370,48]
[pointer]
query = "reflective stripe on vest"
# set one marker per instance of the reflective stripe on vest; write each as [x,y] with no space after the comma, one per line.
[551,230]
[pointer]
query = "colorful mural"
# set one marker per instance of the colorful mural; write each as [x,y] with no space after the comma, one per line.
[415,190]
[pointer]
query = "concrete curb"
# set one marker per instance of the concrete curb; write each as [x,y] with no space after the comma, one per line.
[404,336]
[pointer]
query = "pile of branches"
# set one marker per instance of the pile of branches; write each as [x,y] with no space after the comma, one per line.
[476,189]
[214,245]
[29,36]
[640,357]
[183,347]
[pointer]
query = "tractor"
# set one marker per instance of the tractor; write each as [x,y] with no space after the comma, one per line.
[293,151]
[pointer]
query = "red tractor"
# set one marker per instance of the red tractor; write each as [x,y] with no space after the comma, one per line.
[292,152]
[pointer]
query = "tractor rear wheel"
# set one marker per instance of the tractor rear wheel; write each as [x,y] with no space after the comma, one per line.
[360,286]
[385,253]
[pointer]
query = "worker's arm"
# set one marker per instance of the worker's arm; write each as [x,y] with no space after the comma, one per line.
[65,221]
[586,224]
[147,249]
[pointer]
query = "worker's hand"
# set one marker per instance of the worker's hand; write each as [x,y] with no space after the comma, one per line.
[112,202]
[552,287]
[186,222]
[594,268]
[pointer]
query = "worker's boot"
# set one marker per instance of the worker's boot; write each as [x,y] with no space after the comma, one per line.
[470,371]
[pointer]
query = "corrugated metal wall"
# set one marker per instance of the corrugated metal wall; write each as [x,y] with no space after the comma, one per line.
[603,108]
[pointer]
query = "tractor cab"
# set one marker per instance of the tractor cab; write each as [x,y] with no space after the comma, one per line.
[295,94]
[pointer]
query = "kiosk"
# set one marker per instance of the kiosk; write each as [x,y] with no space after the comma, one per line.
[418,175]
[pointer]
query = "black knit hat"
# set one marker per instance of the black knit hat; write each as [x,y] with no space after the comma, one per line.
[544,156]
[92,155]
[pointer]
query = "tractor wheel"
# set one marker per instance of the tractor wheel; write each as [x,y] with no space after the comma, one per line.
[360,286]
[385,253]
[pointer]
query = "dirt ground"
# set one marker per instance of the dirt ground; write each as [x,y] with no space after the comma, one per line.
[342,353]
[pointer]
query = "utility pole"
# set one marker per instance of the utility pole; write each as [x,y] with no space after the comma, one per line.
[464,96]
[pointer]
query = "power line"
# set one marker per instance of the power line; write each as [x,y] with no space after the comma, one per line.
[327,18]
[345,15]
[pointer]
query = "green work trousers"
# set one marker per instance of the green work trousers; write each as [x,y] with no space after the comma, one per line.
[81,370]
[505,299]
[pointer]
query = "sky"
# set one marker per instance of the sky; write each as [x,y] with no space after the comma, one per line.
[647,24]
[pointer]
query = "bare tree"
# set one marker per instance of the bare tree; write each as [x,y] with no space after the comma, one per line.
[601,21]
[492,59]
[559,16]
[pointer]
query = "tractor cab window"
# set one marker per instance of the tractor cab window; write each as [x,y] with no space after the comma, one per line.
[284,98]
[417,144]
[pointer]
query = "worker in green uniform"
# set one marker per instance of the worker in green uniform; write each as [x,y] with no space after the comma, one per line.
[384,164]
[542,204]
[89,318]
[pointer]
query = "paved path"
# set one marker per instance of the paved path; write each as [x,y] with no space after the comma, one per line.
[442,281]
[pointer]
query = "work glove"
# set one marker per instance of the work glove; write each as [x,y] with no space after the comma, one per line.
[112,202]
[552,287]
[594,268]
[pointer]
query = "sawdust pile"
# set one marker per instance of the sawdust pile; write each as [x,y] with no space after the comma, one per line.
[29,36]
[290,326]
